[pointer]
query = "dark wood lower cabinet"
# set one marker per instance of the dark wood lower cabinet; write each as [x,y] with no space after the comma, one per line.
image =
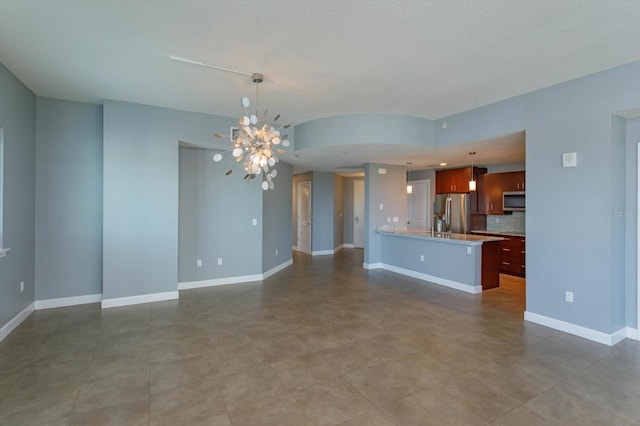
[491,264]
[512,256]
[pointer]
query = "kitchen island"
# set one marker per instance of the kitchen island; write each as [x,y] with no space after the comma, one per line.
[465,262]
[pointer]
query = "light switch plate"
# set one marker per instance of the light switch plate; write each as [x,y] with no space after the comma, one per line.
[382,171]
[570,159]
[254,221]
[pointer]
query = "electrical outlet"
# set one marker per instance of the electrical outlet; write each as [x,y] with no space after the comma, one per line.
[276,252]
[395,218]
[568,296]
[219,261]
[381,206]
[21,286]
[254,221]
[389,219]
[422,258]
[469,250]
[199,263]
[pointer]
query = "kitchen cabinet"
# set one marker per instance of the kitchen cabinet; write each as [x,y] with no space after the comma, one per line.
[490,193]
[513,255]
[491,264]
[456,180]
[513,181]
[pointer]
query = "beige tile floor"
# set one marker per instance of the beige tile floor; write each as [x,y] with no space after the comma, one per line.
[322,343]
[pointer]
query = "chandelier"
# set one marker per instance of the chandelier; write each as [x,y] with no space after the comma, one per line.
[254,142]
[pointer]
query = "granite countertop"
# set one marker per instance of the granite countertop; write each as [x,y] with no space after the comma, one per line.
[467,239]
[505,233]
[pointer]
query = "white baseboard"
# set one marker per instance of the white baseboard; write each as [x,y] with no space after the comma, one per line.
[578,330]
[234,280]
[68,301]
[219,281]
[372,265]
[136,300]
[633,333]
[347,245]
[294,248]
[434,279]
[277,269]
[321,252]
[16,321]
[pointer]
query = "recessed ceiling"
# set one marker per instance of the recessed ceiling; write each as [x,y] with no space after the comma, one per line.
[320,58]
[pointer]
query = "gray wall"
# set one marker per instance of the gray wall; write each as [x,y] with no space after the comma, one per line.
[17,117]
[338,211]
[140,198]
[302,177]
[631,218]
[356,129]
[276,218]
[322,206]
[503,168]
[389,190]
[215,218]
[68,199]
[444,260]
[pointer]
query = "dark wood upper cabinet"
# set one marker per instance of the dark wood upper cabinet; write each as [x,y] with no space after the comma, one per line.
[513,181]
[456,180]
[490,193]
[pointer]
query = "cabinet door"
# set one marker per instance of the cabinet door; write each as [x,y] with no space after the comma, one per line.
[513,181]
[461,178]
[490,193]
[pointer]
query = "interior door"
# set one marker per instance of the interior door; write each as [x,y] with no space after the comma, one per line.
[418,205]
[358,213]
[304,217]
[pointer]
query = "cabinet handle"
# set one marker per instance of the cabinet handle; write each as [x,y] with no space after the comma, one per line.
[506,263]
[506,249]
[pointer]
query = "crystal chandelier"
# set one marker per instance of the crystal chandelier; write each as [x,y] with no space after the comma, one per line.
[255,140]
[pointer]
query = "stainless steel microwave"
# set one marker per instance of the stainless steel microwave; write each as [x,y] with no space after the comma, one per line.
[513,201]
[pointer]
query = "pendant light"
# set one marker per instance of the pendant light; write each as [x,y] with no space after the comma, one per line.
[409,186]
[472,182]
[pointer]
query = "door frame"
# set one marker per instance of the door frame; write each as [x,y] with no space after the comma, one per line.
[299,198]
[354,212]
[428,210]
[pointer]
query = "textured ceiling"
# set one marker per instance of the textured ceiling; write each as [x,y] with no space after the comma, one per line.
[320,58]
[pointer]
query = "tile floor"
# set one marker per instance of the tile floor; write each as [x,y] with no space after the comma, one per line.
[322,343]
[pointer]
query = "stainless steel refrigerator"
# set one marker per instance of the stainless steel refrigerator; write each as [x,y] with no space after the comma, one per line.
[454,212]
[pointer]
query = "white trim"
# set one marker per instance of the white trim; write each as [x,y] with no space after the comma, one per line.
[142,298]
[426,277]
[277,269]
[219,281]
[434,280]
[16,321]
[577,330]
[638,242]
[294,248]
[347,245]
[337,249]
[67,301]
[321,252]
[633,333]
[3,252]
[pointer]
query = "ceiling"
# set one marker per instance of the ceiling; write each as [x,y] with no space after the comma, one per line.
[427,59]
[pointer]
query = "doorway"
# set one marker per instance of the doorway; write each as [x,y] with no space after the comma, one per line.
[358,213]
[304,217]
[419,205]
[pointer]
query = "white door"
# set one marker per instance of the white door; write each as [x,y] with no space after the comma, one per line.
[418,205]
[304,217]
[358,213]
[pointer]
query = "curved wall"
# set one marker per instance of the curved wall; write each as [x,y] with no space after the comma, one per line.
[356,129]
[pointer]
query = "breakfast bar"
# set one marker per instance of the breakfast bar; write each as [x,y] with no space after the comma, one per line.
[465,262]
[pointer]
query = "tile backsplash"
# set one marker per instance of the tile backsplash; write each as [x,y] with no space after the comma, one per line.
[507,223]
